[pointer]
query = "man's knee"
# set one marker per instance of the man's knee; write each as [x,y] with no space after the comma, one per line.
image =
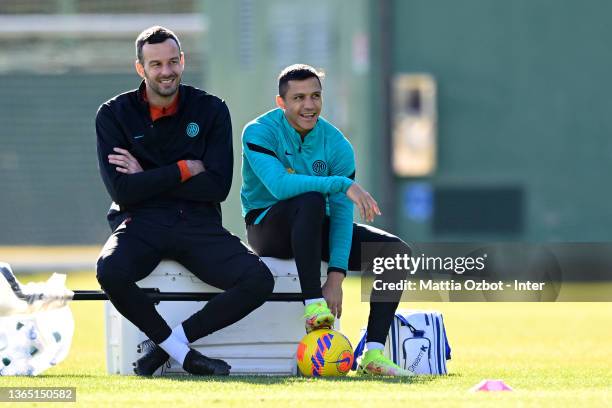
[393,243]
[311,203]
[267,281]
[259,280]
[393,246]
[108,274]
[388,238]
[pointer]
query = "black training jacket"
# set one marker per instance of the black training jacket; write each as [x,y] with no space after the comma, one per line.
[200,130]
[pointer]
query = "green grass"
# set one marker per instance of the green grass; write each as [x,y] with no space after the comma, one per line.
[552,354]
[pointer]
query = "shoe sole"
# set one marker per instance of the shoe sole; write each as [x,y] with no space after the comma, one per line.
[363,371]
[223,371]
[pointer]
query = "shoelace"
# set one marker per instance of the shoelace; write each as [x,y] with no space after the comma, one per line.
[146,346]
[165,367]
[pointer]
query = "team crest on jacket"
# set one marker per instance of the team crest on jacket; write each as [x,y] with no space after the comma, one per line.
[192,129]
[319,167]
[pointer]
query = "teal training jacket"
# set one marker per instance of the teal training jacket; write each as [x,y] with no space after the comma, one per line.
[277,165]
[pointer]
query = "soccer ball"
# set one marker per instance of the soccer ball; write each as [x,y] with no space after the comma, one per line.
[324,353]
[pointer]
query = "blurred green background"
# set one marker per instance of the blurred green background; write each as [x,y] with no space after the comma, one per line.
[522,144]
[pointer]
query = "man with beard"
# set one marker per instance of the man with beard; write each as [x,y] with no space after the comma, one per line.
[165,156]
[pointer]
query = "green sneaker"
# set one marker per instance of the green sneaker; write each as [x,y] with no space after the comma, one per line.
[317,316]
[375,363]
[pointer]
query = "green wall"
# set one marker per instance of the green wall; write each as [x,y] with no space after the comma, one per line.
[523,101]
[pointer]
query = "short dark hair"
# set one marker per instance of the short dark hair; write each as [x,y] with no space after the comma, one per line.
[296,72]
[154,35]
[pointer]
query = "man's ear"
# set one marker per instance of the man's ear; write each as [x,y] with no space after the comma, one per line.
[182,59]
[280,102]
[139,68]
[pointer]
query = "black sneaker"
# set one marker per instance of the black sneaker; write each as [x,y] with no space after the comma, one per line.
[198,364]
[154,357]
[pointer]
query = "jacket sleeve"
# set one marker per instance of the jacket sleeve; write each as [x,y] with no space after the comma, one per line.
[128,189]
[341,210]
[214,183]
[258,145]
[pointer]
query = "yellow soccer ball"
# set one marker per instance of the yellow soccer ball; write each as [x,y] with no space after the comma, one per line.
[324,353]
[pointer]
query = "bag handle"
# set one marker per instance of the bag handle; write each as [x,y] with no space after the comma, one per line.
[415,332]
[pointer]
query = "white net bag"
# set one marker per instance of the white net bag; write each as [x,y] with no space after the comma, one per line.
[36,324]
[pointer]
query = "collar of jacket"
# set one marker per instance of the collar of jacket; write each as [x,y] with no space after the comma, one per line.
[296,139]
[144,105]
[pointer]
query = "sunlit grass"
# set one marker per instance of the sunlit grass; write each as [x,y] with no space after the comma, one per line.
[552,354]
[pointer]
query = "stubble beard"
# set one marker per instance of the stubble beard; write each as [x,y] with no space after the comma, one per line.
[157,89]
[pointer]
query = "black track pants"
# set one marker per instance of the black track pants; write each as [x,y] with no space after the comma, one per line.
[298,228]
[206,249]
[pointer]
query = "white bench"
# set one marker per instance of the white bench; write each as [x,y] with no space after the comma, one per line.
[264,342]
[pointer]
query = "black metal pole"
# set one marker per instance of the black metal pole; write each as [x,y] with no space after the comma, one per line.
[158,296]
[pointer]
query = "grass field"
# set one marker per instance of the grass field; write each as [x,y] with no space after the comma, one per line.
[552,354]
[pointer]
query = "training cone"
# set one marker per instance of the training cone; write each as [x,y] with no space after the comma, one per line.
[491,385]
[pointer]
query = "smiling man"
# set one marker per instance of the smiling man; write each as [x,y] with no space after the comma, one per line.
[297,196]
[165,157]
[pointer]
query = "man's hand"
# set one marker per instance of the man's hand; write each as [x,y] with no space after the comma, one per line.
[125,162]
[332,292]
[195,167]
[368,207]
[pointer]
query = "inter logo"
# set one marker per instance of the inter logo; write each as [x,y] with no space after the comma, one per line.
[192,129]
[319,167]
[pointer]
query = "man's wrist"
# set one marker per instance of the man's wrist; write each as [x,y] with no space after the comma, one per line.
[184,169]
[333,270]
[347,184]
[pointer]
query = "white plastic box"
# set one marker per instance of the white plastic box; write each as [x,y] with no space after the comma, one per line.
[264,342]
